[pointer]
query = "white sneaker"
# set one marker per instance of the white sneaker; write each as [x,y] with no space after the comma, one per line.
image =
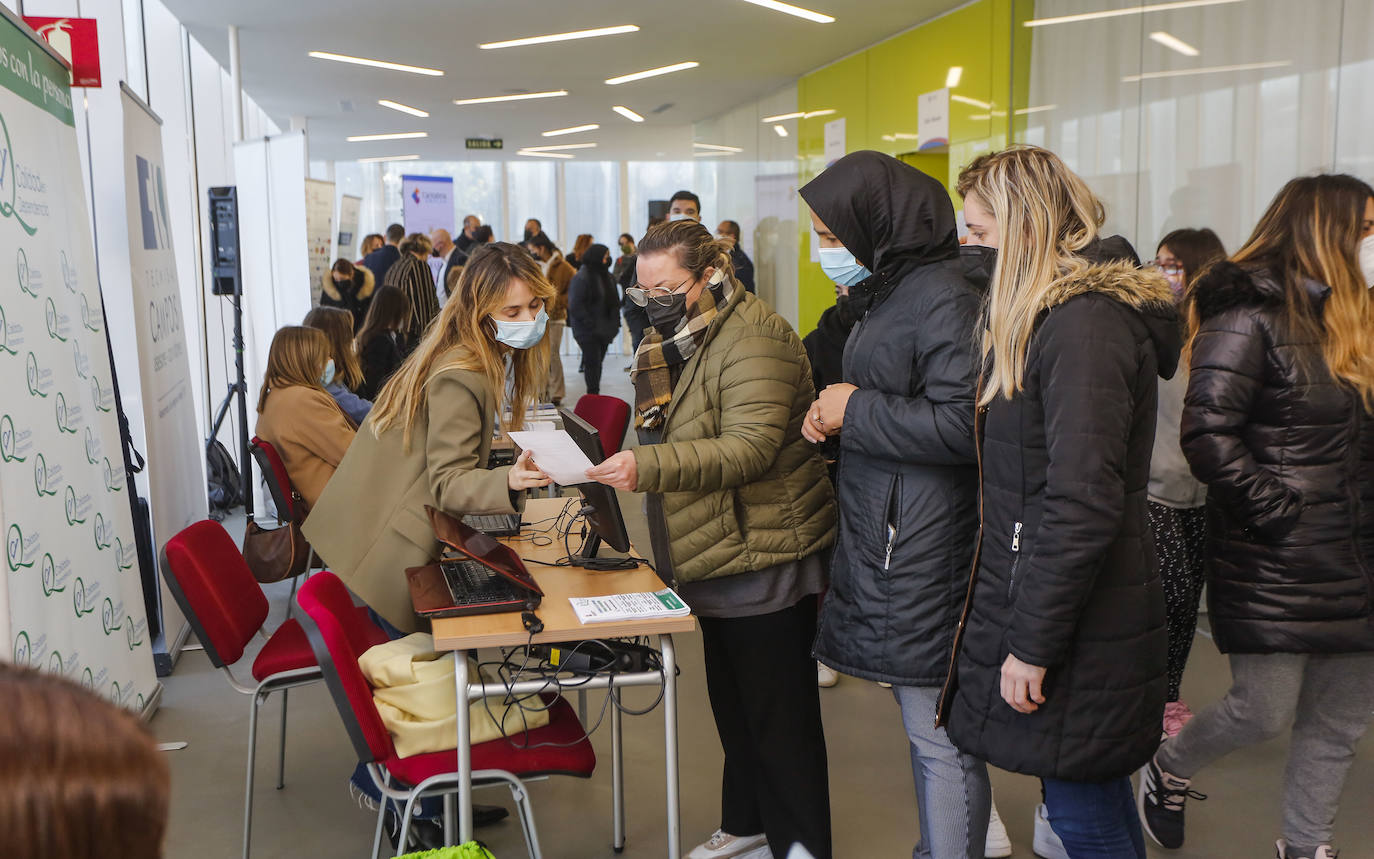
[998,845]
[1323,852]
[826,676]
[723,845]
[1046,844]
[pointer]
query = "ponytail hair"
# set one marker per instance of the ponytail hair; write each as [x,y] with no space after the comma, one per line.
[693,245]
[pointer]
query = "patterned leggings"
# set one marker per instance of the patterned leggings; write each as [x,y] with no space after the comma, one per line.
[1180,539]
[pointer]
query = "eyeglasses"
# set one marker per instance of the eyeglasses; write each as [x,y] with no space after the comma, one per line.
[662,296]
[1174,268]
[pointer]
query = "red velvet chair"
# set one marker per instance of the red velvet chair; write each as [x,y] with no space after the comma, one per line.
[610,416]
[339,640]
[226,607]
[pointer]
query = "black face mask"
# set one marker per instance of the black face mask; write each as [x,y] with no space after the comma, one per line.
[978,262]
[666,318]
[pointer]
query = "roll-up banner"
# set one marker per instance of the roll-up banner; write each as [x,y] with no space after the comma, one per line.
[427,204]
[176,461]
[350,208]
[72,588]
[319,232]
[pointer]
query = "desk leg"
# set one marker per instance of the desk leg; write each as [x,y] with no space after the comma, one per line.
[617,778]
[665,643]
[460,682]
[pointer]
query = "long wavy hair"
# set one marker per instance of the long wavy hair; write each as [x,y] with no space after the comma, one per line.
[1311,231]
[296,358]
[337,325]
[1046,215]
[466,324]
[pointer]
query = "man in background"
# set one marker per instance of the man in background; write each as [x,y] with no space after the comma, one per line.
[560,273]
[728,232]
[533,227]
[684,205]
[468,238]
[382,259]
[452,256]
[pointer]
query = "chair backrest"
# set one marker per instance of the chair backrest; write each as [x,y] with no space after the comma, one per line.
[211,582]
[610,416]
[336,635]
[278,481]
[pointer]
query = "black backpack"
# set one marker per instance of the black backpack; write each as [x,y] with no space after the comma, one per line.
[225,480]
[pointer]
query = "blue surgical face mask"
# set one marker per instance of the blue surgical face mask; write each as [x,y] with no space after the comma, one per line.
[328,375]
[521,335]
[840,266]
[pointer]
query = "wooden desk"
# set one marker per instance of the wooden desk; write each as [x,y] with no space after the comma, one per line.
[465,634]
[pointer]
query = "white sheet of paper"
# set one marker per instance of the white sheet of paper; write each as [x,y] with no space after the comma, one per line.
[556,454]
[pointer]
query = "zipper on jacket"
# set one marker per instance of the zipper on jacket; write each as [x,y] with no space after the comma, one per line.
[891,538]
[1016,562]
[1016,538]
[890,518]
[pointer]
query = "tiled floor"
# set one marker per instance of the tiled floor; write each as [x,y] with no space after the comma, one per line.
[872,799]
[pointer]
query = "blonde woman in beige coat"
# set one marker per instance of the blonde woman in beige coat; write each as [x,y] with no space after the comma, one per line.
[429,434]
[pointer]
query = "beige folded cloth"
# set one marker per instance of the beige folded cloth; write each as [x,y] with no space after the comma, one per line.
[413,689]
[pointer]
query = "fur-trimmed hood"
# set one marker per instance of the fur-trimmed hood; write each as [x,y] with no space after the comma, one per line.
[1226,285]
[1143,290]
[363,281]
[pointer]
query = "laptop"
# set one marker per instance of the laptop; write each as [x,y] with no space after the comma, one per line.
[494,524]
[484,577]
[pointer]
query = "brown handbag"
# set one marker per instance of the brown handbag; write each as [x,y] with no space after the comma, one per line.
[277,553]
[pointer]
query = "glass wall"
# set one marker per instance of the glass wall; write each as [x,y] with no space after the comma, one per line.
[658,180]
[532,192]
[591,200]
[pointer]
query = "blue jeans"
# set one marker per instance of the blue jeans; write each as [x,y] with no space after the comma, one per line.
[1095,821]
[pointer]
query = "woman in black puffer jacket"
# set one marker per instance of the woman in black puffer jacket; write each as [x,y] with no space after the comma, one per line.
[1061,667]
[1276,423]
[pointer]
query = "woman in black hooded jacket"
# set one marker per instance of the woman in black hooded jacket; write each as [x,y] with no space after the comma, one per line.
[594,312]
[906,479]
[1060,668]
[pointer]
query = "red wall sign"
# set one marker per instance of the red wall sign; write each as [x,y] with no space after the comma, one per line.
[73,38]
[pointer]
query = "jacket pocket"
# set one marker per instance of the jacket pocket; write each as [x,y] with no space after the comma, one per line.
[1016,532]
[892,519]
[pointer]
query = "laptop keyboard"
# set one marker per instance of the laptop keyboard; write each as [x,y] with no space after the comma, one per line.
[495,524]
[470,583]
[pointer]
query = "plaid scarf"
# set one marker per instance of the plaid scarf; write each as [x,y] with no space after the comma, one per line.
[660,359]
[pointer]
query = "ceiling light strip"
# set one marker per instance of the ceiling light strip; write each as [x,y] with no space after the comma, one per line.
[653,73]
[781,131]
[559,147]
[403,135]
[376,64]
[1174,43]
[971,102]
[403,108]
[532,154]
[627,113]
[1129,10]
[795,11]
[560,37]
[571,130]
[380,158]
[717,147]
[955,74]
[1206,70]
[524,96]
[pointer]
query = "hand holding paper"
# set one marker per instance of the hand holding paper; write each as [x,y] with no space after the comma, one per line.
[556,454]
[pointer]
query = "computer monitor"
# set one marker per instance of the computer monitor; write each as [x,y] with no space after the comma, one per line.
[599,500]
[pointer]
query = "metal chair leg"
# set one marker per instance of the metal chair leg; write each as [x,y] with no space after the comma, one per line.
[522,805]
[405,823]
[252,759]
[381,820]
[281,751]
[291,600]
[617,779]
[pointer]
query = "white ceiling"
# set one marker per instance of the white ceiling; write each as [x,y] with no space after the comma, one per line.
[745,52]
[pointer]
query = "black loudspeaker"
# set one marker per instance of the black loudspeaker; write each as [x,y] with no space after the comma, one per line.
[658,209]
[226,270]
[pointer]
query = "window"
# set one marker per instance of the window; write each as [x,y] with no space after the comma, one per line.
[532,187]
[591,192]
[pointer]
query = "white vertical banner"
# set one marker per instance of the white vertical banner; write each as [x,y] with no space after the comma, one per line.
[350,210]
[75,601]
[175,452]
[834,141]
[319,232]
[427,203]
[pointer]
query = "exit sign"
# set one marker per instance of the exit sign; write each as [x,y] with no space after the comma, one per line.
[484,143]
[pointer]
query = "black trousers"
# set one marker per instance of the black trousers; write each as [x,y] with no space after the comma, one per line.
[762,681]
[593,356]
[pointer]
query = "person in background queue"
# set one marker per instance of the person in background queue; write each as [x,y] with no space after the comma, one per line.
[559,274]
[1277,423]
[594,312]
[907,481]
[729,233]
[452,255]
[411,275]
[684,206]
[467,239]
[348,287]
[1177,506]
[337,326]
[580,246]
[370,243]
[1060,661]
[533,227]
[383,258]
[381,344]
[740,515]
[297,416]
[429,435]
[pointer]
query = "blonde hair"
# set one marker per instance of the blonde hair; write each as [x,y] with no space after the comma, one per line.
[691,243]
[1046,215]
[297,358]
[466,322]
[416,243]
[337,325]
[1311,231]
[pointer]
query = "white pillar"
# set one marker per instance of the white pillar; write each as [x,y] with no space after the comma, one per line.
[236,79]
[560,190]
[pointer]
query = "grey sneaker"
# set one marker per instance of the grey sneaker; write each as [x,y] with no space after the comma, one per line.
[723,845]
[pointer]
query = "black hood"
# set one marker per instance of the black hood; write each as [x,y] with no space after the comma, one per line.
[888,214]
[595,256]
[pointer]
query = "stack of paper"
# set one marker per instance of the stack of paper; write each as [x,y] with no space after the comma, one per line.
[556,454]
[642,606]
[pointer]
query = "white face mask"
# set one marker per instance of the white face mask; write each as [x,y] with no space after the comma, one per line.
[1367,259]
